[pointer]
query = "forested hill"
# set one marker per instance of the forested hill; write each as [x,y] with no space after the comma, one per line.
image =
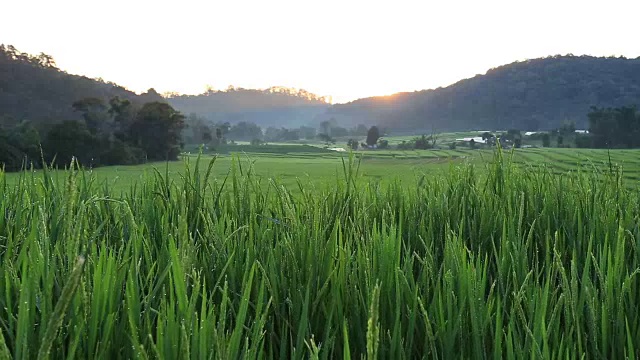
[33,88]
[275,106]
[528,95]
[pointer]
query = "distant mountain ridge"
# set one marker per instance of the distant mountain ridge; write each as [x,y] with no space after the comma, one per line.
[275,106]
[527,95]
[33,88]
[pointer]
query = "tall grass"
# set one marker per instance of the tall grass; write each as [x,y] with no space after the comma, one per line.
[512,264]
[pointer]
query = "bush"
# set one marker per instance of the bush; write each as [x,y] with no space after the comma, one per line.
[406,145]
[120,153]
[423,143]
[583,141]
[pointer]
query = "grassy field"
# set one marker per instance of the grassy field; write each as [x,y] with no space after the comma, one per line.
[516,263]
[289,164]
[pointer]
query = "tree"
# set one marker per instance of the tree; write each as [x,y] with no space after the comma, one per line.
[513,134]
[123,114]
[95,114]
[423,143]
[560,140]
[326,139]
[245,131]
[352,144]
[205,133]
[224,130]
[472,144]
[567,128]
[26,137]
[11,157]
[360,130]
[157,131]
[325,127]
[614,127]
[373,135]
[46,61]
[582,141]
[71,139]
[307,132]
[546,140]
[338,131]
[486,136]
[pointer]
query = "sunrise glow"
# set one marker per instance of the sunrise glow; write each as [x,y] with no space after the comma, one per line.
[346,50]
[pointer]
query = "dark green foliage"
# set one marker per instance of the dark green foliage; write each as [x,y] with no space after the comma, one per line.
[568,128]
[96,131]
[373,135]
[424,142]
[197,130]
[352,144]
[406,145]
[328,140]
[95,114]
[283,134]
[546,140]
[11,157]
[26,137]
[244,131]
[383,144]
[156,130]
[121,153]
[615,127]
[583,141]
[71,139]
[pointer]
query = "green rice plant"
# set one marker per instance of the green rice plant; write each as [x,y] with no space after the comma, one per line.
[501,260]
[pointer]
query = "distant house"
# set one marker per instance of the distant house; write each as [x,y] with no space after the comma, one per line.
[476,139]
[582,131]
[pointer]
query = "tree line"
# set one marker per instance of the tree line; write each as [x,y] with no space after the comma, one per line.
[200,130]
[614,127]
[110,133]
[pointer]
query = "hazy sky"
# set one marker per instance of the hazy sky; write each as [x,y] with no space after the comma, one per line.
[346,49]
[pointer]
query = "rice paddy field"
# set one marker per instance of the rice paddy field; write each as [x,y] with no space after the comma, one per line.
[317,167]
[315,254]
